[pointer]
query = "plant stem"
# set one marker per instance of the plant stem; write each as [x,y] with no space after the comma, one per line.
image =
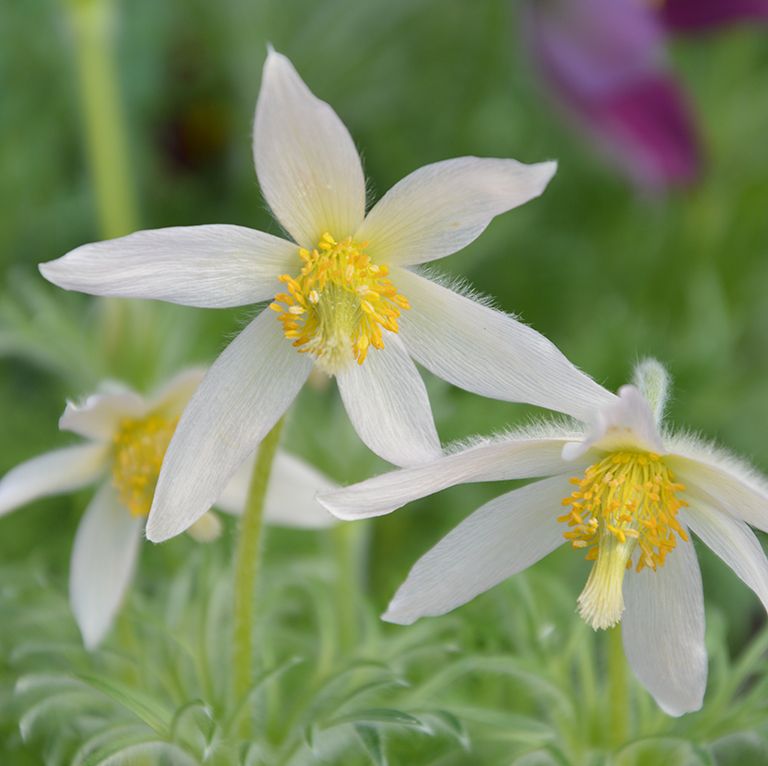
[618,688]
[247,560]
[346,540]
[93,23]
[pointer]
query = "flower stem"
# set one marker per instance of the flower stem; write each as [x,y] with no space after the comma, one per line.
[346,542]
[618,688]
[93,23]
[247,560]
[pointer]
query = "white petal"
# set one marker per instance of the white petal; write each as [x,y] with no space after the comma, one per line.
[306,161]
[52,473]
[490,353]
[734,542]
[243,395]
[98,416]
[506,458]
[441,208]
[501,538]
[174,396]
[728,483]
[211,266]
[387,402]
[663,631]
[624,423]
[292,494]
[103,560]
[290,500]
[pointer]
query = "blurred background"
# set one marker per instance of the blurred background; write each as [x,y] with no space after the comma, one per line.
[652,240]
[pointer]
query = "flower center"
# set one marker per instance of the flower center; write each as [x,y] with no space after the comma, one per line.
[140,446]
[338,304]
[628,500]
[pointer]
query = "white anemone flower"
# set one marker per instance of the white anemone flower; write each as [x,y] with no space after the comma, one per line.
[343,297]
[625,491]
[127,436]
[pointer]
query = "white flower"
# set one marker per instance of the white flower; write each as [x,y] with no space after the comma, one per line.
[127,439]
[626,492]
[343,297]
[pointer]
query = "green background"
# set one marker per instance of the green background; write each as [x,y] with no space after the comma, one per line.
[609,273]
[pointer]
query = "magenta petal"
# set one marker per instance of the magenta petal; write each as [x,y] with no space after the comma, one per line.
[592,45]
[694,15]
[603,60]
[651,131]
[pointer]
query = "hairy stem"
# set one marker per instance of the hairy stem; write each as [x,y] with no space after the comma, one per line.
[247,561]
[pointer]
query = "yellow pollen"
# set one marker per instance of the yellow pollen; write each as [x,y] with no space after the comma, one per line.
[626,501]
[139,449]
[337,306]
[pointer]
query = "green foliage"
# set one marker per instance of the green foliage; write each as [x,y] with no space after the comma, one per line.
[530,688]
[160,686]
[514,677]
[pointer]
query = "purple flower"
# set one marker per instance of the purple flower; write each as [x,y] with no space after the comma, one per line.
[695,15]
[604,61]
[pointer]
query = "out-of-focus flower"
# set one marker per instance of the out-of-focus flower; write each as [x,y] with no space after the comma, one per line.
[604,60]
[127,439]
[342,298]
[624,491]
[696,15]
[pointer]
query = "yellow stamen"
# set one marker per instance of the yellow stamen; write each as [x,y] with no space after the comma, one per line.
[626,501]
[139,449]
[336,306]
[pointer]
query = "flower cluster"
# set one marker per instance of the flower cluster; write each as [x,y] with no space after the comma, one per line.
[344,294]
[352,278]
